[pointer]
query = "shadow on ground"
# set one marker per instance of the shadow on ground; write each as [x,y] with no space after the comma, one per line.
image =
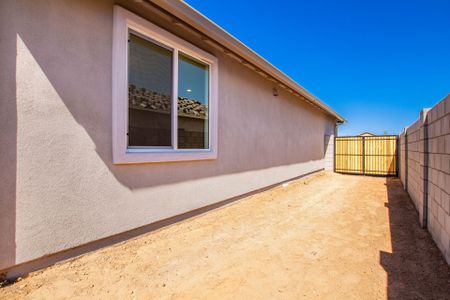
[416,269]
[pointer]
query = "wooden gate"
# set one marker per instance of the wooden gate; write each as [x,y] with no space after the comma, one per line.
[367,155]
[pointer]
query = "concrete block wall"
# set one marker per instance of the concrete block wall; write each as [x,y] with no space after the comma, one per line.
[439,175]
[425,170]
[414,166]
[402,158]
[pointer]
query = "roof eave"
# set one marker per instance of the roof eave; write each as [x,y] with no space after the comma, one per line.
[197,20]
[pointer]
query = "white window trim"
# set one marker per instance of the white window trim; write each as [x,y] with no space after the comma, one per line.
[123,22]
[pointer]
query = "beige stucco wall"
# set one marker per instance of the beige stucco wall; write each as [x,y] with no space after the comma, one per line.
[59,188]
[329,152]
[425,170]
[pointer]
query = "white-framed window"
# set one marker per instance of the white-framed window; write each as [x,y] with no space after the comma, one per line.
[164,95]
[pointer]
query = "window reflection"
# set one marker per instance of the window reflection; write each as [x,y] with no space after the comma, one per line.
[149,93]
[193,101]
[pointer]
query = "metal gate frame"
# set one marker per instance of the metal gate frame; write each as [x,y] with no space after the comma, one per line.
[363,155]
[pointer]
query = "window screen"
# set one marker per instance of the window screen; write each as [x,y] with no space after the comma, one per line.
[149,93]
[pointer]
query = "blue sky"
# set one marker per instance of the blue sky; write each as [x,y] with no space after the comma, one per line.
[377,63]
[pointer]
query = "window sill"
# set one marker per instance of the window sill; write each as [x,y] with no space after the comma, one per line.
[154,156]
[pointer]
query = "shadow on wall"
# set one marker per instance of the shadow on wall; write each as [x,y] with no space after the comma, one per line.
[56,81]
[8,140]
[415,268]
[90,55]
[328,140]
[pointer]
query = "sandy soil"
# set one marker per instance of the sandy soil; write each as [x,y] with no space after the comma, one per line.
[327,236]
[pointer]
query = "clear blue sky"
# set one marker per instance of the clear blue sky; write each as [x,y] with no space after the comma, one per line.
[377,63]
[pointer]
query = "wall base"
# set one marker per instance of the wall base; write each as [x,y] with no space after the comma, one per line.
[23,269]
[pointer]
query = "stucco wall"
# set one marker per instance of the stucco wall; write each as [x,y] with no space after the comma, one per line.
[59,188]
[329,152]
[426,177]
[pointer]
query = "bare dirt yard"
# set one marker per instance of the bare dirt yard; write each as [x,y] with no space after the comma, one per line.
[328,236]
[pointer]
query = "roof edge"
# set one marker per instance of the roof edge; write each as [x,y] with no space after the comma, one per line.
[203,24]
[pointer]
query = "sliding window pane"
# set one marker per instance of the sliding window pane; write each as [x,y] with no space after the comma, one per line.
[193,102]
[149,93]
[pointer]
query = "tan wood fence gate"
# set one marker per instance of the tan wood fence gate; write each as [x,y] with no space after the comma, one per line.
[367,155]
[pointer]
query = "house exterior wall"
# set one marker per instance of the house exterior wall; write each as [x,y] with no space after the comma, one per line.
[426,176]
[59,187]
[329,152]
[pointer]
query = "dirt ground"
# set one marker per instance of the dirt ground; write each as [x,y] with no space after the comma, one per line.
[327,236]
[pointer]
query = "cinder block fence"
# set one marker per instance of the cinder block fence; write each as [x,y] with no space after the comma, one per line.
[425,170]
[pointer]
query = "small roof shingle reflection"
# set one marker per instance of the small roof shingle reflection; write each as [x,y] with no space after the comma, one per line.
[141,98]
